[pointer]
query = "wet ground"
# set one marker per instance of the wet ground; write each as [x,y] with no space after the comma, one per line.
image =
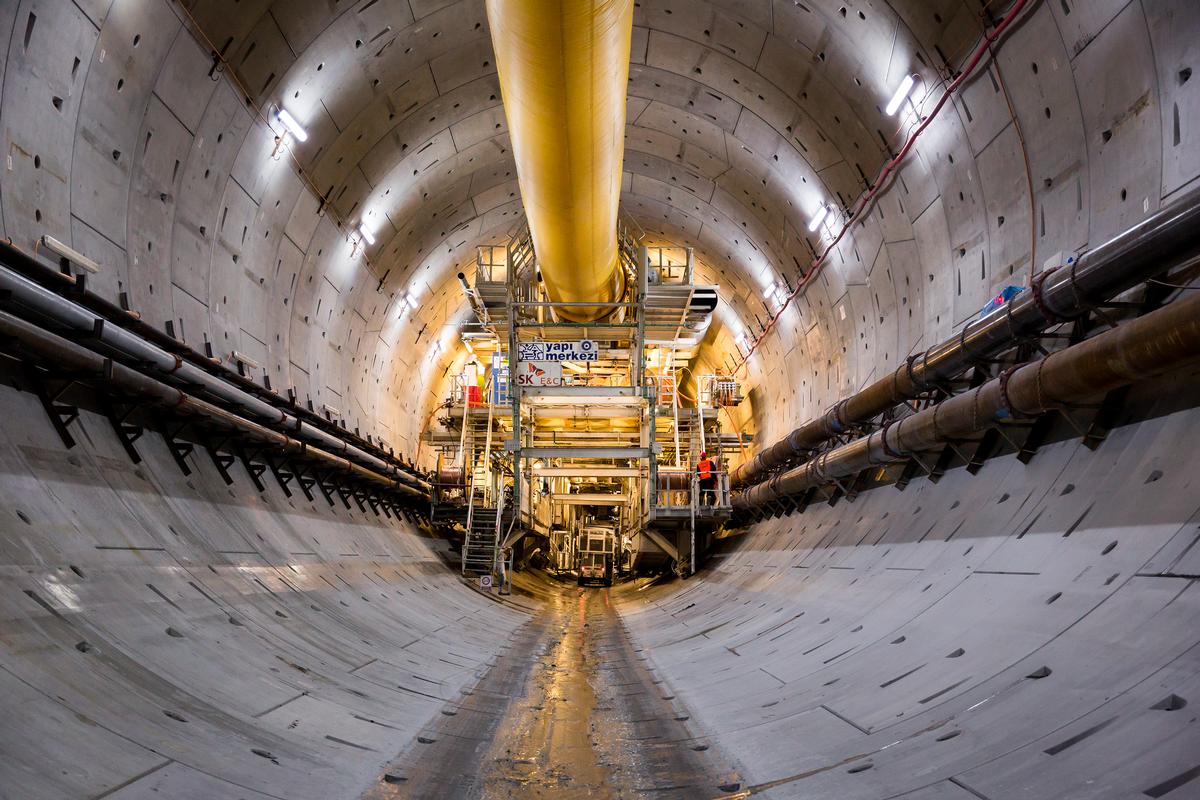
[568,710]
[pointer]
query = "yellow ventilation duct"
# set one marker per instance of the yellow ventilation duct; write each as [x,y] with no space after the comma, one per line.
[563,67]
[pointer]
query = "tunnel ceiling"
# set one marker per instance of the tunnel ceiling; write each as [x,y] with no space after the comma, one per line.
[157,159]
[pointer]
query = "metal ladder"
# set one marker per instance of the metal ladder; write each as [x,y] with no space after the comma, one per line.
[482,540]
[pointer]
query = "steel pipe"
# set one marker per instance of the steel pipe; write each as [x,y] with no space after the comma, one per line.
[564,68]
[41,302]
[1162,241]
[1153,344]
[72,357]
[76,289]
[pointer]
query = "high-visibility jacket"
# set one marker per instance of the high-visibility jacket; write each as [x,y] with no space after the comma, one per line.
[705,468]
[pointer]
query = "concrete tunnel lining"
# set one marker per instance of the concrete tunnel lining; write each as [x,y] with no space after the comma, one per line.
[821,642]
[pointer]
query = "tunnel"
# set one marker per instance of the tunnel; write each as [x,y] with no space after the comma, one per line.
[939,329]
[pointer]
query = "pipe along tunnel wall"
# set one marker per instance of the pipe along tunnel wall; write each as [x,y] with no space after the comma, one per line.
[1029,631]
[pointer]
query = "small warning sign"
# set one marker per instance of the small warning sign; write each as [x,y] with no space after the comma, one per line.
[485,581]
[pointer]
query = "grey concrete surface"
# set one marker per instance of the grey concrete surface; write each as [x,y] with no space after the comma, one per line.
[120,138]
[172,637]
[1029,632]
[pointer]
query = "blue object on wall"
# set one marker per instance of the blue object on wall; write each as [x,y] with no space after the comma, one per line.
[1006,294]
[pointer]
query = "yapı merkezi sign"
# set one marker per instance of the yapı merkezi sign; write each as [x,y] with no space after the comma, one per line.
[583,350]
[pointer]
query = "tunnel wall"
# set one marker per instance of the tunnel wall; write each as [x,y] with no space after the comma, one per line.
[1029,631]
[125,141]
[120,138]
[168,635]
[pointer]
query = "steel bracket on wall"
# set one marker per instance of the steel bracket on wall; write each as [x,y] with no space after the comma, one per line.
[1039,429]
[283,476]
[222,461]
[254,468]
[1105,417]
[985,446]
[179,448]
[127,432]
[305,480]
[48,389]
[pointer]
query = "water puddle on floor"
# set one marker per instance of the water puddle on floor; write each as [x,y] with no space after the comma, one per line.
[569,710]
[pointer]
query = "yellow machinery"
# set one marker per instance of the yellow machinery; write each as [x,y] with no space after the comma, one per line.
[563,67]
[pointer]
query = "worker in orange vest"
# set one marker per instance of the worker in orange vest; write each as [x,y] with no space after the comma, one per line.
[708,480]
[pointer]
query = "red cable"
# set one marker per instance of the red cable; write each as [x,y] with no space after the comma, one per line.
[864,199]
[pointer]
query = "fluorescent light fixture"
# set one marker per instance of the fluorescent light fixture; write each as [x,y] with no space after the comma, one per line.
[292,125]
[818,218]
[245,359]
[366,233]
[901,94]
[70,254]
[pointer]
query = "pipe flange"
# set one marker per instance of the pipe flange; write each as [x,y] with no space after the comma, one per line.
[883,440]
[816,467]
[922,385]
[1006,403]
[1037,286]
[1045,402]
[962,343]
[839,416]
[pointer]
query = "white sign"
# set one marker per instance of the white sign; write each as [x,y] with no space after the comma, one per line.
[583,350]
[485,581]
[534,373]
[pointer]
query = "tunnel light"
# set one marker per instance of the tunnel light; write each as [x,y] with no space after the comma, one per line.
[818,218]
[293,127]
[245,359]
[367,236]
[900,96]
[777,294]
[70,254]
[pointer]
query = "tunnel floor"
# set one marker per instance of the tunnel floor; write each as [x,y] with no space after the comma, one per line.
[569,709]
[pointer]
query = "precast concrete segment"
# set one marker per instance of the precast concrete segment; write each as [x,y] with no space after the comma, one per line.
[563,68]
[1161,341]
[170,636]
[568,710]
[1027,632]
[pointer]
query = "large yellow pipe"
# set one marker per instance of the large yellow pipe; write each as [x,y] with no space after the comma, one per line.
[563,67]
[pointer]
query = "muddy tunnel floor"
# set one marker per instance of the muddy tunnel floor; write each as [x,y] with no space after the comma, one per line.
[569,709]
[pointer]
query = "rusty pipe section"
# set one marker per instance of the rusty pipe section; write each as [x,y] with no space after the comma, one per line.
[563,67]
[68,355]
[1156,343]
[1160,242]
